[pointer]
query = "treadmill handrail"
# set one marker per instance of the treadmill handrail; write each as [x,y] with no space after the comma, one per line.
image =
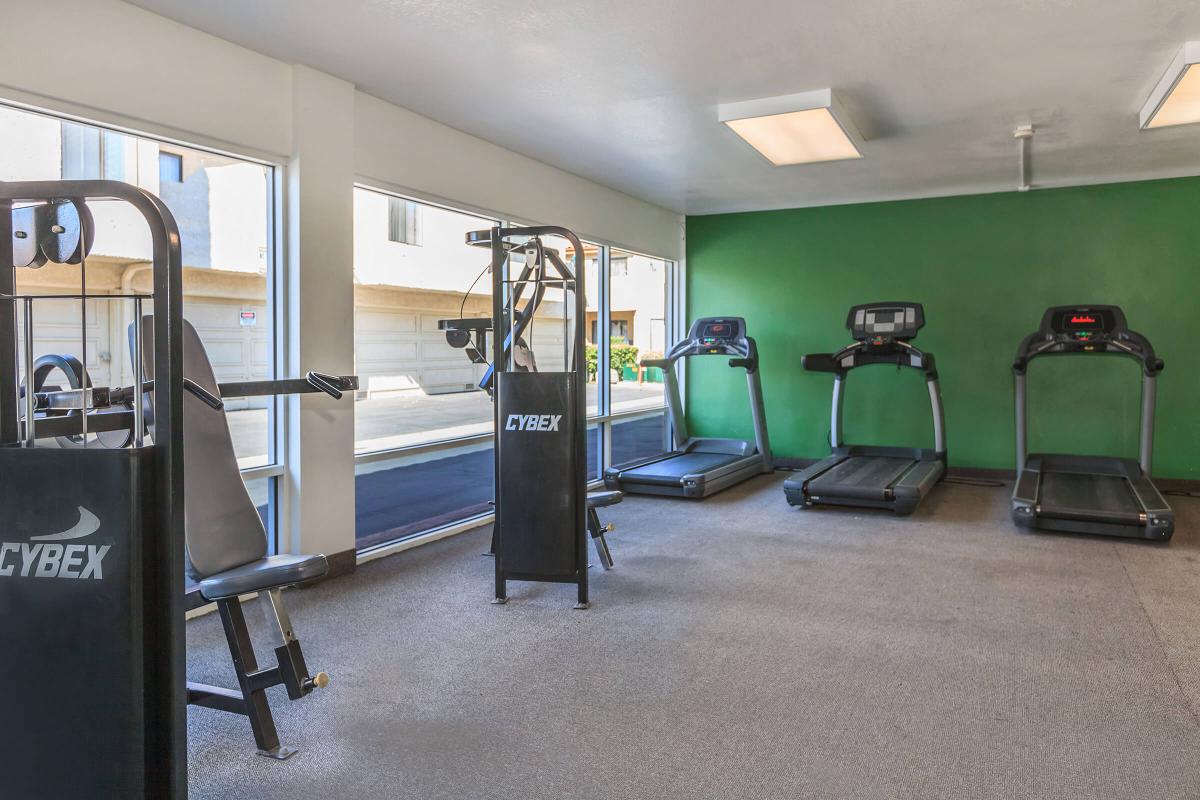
[859,355]
[893,351]
[747,360]
[1121,341]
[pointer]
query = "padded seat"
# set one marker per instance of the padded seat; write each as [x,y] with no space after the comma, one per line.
[272,572]
[602,499]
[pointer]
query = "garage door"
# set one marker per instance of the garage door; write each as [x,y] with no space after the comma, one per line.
[57,329]
[401,350]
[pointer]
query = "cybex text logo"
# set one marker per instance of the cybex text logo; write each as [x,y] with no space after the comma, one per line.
[45,557]
[533,422]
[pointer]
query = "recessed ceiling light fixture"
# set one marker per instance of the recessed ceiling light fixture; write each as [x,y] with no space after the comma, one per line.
[795,128]
[1176,98]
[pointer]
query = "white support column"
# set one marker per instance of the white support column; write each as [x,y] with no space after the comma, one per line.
[318,487]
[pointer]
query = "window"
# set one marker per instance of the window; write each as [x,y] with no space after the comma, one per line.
[404,221]
[225,214]
[89,153]
[638,319]
[424,449]
[415,389]
[170,167]
[617,329]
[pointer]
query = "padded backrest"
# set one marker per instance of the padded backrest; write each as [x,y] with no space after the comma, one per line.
[222,526]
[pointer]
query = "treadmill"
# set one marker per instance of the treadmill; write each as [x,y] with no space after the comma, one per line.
[697,466]
[894,478]
[1089,494]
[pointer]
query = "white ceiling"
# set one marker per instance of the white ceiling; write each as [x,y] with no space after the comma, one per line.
[624,92]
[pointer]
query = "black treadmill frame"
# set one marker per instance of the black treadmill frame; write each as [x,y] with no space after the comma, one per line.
[1157,520]
[905,493]
[745,459]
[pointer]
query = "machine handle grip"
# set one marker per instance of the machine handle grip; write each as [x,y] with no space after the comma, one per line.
[661,363]
[208,398]
[127,394]
[204,395]
[750,364]
[326,383]
[820,362]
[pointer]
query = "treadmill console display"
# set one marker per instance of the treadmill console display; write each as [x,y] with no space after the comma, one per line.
[880,324]
[1086,329]
[719,334]
[1082,325]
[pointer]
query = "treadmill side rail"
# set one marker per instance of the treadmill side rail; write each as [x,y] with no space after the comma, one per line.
[901,495]
[1160,519]
[1153,519]
[916,484]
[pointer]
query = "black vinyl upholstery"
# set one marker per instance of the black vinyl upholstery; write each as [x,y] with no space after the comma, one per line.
[602,499]
[265,573]
[225,541]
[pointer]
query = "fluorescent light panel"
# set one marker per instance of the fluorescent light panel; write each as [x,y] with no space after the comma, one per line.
[1176,98]
[794,129]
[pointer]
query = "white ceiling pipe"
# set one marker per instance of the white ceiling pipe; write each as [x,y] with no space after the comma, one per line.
[1024,136]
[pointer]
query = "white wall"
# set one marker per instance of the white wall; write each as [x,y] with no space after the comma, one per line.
[396,148]
[123,66]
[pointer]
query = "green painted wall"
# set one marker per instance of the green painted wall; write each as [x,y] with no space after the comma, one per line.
[985,267]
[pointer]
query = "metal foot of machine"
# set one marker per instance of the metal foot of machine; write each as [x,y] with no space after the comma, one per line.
[596,529]
[250,699]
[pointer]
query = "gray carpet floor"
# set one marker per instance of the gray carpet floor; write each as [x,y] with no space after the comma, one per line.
[745,649]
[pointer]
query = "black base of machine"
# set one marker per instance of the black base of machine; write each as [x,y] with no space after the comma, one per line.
[891,478]
[74,569]
[539,476]
[1090,494]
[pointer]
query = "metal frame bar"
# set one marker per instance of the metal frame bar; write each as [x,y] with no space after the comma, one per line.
[250,698]
[939,416]
[1020,405]
[1146,434]
[9,381]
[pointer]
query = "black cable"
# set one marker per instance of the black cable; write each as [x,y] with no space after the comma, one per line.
[984,482]
[1181,493]
[462,306]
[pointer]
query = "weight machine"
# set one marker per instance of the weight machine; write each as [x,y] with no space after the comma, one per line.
[109,496]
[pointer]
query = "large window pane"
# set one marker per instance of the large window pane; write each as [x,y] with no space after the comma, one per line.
[593,453]
[412,267]
[404,496]
[637,329]
[224,209]
[638,438]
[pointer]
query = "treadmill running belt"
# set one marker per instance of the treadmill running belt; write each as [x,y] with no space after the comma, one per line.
[860,477]
[670,471]
[1079,494]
